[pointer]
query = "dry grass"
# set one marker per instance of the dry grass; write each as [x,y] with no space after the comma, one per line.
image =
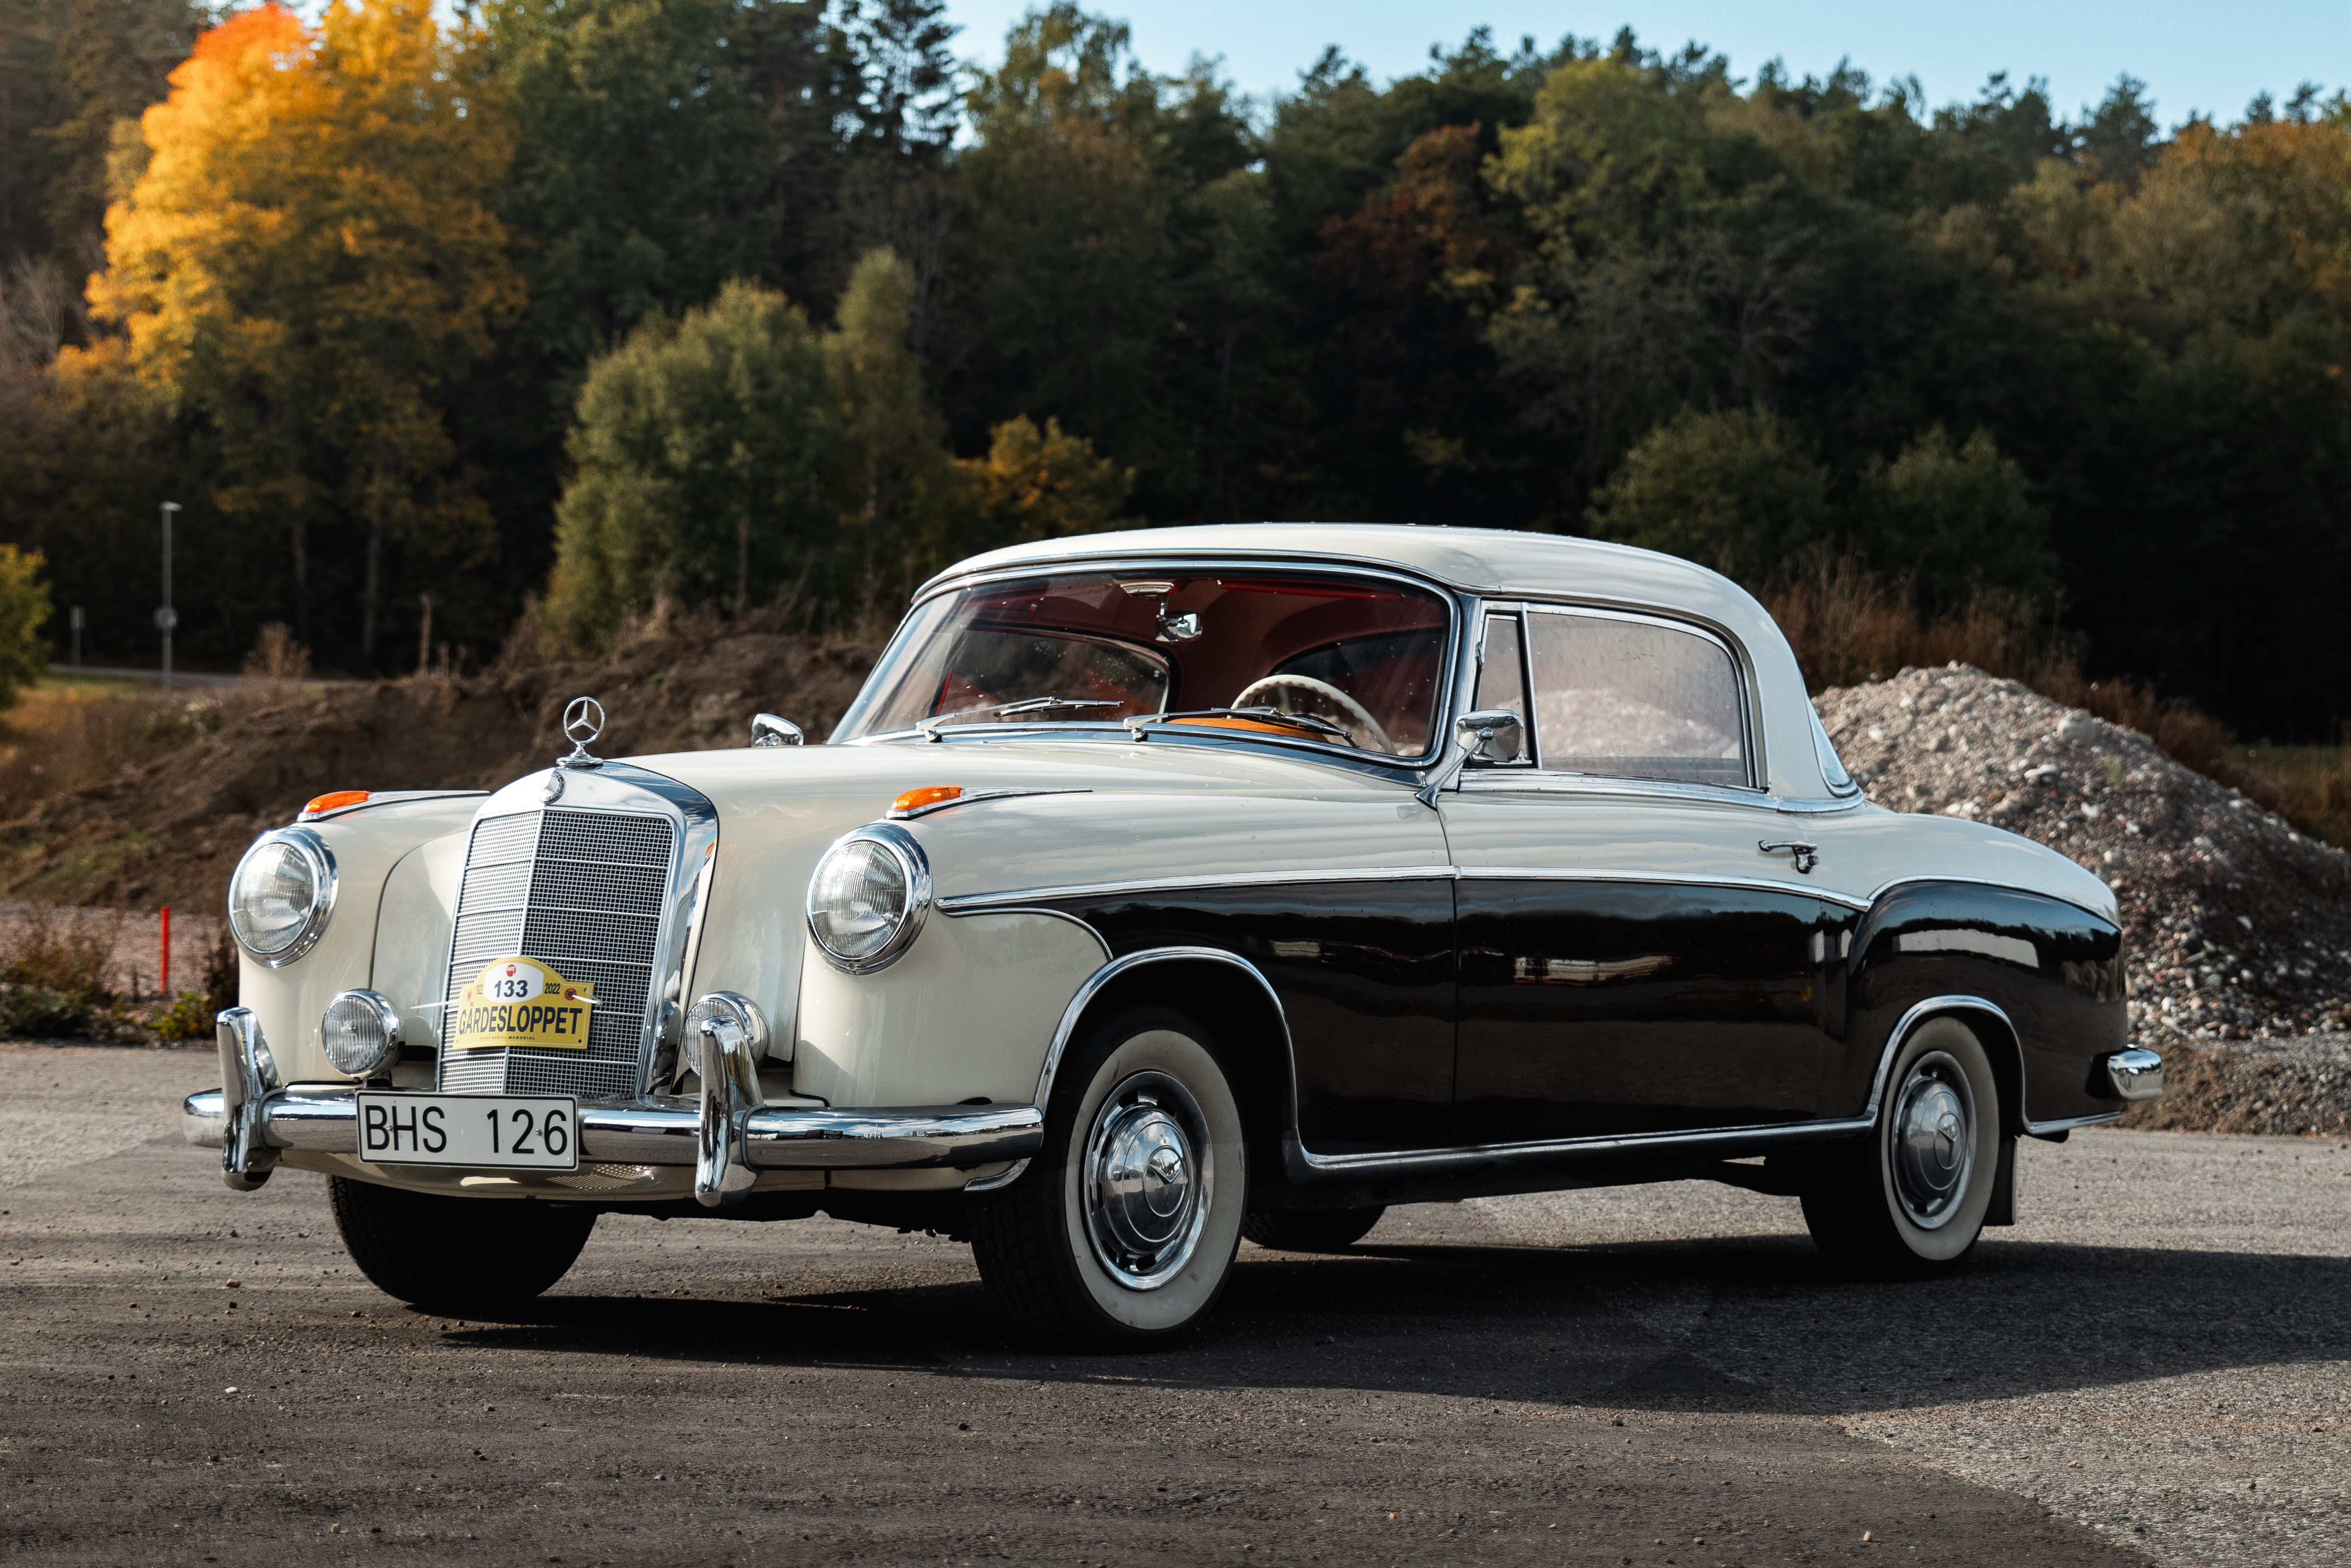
[67,735]
[1848,625]
[54,967]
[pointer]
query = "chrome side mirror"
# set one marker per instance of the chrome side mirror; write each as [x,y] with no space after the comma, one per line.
[1484,735]
[767,729]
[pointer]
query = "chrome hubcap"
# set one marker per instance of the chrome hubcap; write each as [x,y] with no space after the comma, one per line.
[1934,1140]
[1146,1180]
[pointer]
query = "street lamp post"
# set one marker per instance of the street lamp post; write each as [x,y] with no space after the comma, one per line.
[166,618]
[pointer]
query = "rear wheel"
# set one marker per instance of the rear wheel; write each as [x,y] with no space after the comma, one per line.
[457,1255]
[1122,1231]
[1909,1200]
[1310,1229]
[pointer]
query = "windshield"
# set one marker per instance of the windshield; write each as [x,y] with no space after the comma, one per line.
[1365,659]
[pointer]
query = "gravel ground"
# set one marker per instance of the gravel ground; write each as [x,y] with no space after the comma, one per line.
[2151,1369]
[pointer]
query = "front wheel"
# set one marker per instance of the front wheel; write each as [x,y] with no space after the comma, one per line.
[1909,1200]
[457,1255]
[1124,1230]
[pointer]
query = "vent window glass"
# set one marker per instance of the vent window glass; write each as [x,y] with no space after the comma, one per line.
[1502,678]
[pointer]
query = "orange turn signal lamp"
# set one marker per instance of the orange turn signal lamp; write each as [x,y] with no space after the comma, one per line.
[929,795]
[319,805]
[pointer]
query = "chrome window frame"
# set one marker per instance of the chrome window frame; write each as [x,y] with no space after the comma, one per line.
[625,789]
[1460,622]
[1540,779]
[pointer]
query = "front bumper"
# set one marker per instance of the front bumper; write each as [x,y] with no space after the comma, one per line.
[726,1138]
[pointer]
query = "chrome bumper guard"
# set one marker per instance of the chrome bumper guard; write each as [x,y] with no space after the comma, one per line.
[728,1138]
[2135,1075]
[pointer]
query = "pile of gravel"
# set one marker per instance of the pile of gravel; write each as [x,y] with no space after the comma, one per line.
[2235,926]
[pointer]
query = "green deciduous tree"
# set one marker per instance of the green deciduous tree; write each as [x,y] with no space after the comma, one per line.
[700,453]
[1954,517]
[1739,491]
[24,611]
[1036,484]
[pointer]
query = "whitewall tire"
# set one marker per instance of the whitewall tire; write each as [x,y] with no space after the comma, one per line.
[1123,1229]
[1910,1198]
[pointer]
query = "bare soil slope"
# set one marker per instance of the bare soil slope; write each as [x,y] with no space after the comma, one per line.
[169,832]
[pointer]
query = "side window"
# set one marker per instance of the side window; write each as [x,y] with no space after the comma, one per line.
[1635,699]
[1502,678]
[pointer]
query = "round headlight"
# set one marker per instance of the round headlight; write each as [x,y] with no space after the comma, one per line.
[866,901]
[360,1032]
[283,891]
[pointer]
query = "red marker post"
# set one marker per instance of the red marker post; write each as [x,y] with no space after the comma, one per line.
[163,969]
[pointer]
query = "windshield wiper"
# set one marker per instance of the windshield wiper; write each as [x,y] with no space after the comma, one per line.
[1137,725]
[930,726]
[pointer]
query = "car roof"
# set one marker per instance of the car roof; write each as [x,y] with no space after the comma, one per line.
[1494,563]
[1491,561]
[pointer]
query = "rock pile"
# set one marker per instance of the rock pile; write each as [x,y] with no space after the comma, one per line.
[2236,926]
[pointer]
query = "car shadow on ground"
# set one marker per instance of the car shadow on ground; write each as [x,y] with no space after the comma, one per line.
[1723,1323]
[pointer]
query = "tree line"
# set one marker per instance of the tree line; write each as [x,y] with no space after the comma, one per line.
[762,303]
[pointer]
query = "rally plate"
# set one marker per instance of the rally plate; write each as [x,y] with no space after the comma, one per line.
[480,1132]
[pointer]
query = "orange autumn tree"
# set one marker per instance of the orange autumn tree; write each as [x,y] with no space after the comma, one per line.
[307,254]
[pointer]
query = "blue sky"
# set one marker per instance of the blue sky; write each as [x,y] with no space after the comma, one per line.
[2194,57]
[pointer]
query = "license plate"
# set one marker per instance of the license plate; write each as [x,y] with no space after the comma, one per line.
[493,1132]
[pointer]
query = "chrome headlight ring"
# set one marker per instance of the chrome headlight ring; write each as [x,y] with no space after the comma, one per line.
[311,848]
[868,862]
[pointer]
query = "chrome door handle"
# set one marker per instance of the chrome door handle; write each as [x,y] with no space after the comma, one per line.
[1807,856]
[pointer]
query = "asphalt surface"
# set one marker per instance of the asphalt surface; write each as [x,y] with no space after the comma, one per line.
[2151,1369]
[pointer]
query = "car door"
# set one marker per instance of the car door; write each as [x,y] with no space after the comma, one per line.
[1629,959]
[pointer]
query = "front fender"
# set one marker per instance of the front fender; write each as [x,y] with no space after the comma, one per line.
[967,1014]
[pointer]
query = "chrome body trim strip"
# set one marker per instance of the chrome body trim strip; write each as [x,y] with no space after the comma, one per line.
[1470,1155]
[1422,1162]
[895,815]
[977,902]
[1919,1013]
[2058,1128]
[2135,1075]
[323,1118]
[1075,1012]
[1083,925]
[383,797]
[973,903]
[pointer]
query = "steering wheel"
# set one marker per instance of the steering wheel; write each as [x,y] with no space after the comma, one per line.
[1354,709]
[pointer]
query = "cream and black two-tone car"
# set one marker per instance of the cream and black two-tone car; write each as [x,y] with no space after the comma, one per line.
[1165,888]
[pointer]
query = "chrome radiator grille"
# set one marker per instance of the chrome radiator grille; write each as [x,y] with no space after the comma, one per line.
[583,892]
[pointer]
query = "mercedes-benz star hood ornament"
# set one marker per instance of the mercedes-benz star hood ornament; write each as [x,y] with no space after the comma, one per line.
[583,721]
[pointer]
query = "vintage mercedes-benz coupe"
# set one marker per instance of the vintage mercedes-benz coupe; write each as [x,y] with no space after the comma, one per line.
[1165,888]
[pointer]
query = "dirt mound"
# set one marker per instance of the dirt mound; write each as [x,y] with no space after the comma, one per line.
[2269,1087]
[2236,926]
[169,832]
